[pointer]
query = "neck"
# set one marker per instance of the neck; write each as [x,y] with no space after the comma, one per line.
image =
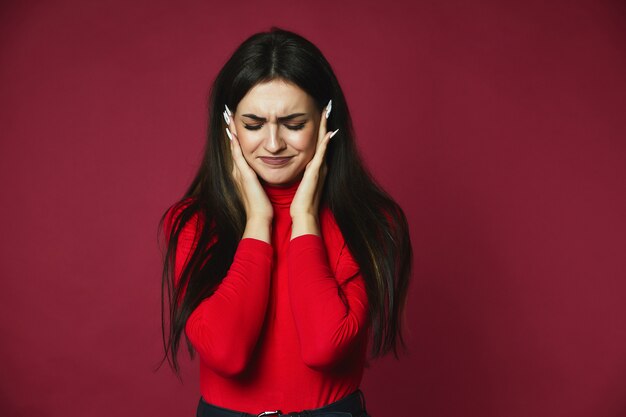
[281,194]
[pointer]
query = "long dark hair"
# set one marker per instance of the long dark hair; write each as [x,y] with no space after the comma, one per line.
[372,223]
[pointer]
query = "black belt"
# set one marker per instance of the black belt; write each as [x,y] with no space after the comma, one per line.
[353,404]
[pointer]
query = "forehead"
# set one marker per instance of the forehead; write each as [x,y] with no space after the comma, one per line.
[276,97]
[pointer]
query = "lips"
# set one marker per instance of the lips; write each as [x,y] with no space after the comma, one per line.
[275,161]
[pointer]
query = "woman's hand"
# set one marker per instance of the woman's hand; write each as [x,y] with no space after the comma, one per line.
[304,208]
[257,204]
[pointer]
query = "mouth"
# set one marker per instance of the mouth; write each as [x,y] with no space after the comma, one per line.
[275,161]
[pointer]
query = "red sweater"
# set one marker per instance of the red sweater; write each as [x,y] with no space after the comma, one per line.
[286,329]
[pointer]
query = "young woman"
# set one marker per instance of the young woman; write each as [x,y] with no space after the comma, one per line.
[284,257]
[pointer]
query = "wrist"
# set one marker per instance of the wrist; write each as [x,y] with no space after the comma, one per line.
[258,228]
[303,217]
[304,224]
[259,220]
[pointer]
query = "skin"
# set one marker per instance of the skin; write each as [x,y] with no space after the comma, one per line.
[306,147]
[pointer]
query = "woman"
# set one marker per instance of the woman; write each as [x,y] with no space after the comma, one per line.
[284,257]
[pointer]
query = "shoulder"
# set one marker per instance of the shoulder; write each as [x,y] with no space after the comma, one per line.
[190,223]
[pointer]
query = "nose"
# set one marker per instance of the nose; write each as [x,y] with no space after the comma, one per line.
[273,143]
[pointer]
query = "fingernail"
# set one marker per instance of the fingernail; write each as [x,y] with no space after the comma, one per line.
[328,107]
[226,117]
[228,110]
[229,134]
[333,134]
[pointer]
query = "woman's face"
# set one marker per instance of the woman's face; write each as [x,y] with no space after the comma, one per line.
[276,120]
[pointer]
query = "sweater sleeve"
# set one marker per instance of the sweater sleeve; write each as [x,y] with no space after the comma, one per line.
[224,328]
[330,310]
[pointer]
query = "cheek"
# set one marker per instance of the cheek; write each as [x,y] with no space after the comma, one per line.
[309,146]
[305,142]
[308,151]
[248,143]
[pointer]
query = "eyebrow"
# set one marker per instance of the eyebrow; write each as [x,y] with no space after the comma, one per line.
[280,119]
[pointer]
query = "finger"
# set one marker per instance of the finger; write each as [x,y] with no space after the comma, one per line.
[236,148]
[229,119]
[232,156]
[324,121]
[245,170]
[233,147]
[235,172]
[231,128]
[320,152]
[232,125]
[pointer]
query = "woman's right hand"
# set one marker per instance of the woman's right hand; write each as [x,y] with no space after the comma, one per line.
[257,204]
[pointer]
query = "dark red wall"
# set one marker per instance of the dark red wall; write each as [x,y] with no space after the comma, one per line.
[498,126]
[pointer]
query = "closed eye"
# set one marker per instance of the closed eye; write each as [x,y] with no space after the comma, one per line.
[295,127]
[290,127]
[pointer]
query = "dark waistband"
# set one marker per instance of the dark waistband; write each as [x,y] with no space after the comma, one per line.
[353,404]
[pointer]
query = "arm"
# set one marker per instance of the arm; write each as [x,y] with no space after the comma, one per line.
[224,328]
[329,310]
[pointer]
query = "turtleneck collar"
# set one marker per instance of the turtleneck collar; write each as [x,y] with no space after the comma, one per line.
[281,195]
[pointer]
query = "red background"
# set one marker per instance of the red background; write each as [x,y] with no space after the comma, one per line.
[498,126]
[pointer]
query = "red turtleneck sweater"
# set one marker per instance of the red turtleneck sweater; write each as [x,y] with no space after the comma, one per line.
[286,329]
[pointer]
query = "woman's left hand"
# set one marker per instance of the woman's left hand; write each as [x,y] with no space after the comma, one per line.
[305,204]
